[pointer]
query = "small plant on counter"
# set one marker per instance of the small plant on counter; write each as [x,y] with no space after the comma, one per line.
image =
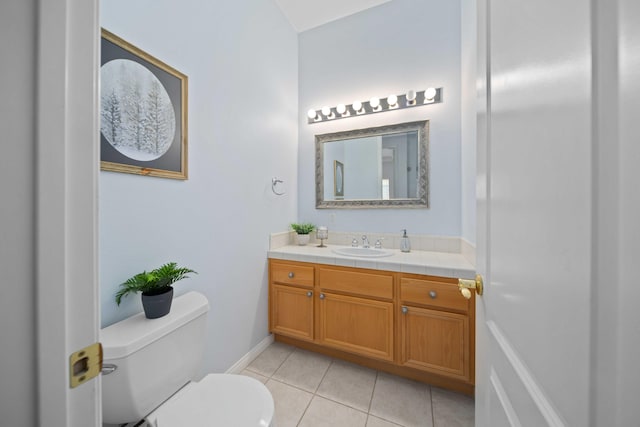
[303,228]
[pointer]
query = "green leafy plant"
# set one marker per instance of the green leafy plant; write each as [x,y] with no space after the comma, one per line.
[303,228]
[153,282]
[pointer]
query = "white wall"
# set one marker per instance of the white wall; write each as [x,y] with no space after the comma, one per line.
[241,59]
[391,48]
[17,211]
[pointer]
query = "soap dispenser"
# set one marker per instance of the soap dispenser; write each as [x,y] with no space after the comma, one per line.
[405,244]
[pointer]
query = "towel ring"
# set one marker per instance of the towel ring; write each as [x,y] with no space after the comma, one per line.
[274,183]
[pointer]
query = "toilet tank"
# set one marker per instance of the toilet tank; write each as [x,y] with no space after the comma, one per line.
[154,358]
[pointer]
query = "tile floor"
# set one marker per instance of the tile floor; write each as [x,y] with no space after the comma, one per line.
[313,390]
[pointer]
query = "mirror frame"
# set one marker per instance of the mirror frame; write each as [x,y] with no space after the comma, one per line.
[422,201]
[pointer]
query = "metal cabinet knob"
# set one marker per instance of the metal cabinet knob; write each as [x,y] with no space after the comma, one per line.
[291,274]
[405,310]
[433,294]
[309,293]
[321,296]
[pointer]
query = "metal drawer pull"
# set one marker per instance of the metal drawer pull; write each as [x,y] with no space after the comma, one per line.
[433,294]
[291,274]
[321,296]
[405,310]
[309,293]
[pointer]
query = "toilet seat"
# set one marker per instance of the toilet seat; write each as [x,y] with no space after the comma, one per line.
[217,400]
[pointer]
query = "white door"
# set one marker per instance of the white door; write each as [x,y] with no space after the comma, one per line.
[535,200]
[66,213]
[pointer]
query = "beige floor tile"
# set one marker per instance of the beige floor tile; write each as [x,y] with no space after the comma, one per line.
[325,413]
[259,377]
[402,401]
[452,409]
[270,360]
[378,422]
[290,403]
[303,369]
[349,384]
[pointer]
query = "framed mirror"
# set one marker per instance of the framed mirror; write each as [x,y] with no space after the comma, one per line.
[381,167]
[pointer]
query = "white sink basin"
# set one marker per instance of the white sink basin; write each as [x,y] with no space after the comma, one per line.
[362,252]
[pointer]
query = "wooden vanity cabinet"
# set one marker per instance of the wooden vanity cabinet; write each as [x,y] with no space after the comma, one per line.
[355,311]
[291,300]
[411,325]
[435,327]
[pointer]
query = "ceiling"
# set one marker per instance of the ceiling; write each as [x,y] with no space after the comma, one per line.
[306,14]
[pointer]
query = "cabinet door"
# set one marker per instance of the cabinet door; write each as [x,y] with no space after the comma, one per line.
[357,325]
[435,341]
[292,311]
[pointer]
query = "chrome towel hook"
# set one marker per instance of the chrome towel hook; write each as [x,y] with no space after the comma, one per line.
[274,182]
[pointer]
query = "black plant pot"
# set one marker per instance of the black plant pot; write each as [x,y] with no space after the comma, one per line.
[157,303]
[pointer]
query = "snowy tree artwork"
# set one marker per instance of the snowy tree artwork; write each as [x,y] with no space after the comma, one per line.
[137,116]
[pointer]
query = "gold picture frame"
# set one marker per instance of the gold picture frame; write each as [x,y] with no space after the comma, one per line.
[143,112]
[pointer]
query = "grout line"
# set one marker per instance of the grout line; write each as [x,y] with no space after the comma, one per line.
[433,415]
[323,377]
[305,409]
[373,392]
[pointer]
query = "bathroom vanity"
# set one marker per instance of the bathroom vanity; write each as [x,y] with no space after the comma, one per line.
[413,325]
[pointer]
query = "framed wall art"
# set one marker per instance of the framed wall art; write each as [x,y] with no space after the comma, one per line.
[143,123]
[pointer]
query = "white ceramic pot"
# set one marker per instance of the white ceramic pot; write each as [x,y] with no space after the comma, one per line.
[303,239]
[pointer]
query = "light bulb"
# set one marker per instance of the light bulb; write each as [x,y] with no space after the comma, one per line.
[357,106]
[341,108]
[326,111]
[392,100]
[430,94]
[374,102]
[411,95]
[312,114]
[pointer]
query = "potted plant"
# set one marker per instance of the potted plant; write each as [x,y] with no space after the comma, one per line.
[303,229]
[155,285]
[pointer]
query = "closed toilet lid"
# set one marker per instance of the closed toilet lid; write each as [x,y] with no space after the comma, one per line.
[217,400]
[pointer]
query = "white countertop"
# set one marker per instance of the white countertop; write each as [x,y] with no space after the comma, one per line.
[417,262]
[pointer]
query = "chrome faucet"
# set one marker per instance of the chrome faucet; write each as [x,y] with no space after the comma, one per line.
[379,243]
[354,243]
[365,242]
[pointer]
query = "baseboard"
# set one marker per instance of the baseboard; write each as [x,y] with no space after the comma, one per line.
[245,360]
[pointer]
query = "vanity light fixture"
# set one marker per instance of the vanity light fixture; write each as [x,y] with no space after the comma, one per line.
[430,95]
[409,99]
[374,103]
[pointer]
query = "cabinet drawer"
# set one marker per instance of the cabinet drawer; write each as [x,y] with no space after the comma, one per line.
[292,274]
[433,294]
[356,282]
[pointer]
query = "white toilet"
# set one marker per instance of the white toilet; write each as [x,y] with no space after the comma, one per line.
[149,367]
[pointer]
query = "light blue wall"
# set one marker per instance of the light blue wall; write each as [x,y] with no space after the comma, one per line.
[241,59]
[468,122]
[400,45]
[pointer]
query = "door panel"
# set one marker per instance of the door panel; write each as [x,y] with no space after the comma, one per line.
[534,241]
[436,341]
[357,325]
[292,311]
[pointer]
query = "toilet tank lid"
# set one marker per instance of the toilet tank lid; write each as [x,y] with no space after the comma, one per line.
[130,335]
